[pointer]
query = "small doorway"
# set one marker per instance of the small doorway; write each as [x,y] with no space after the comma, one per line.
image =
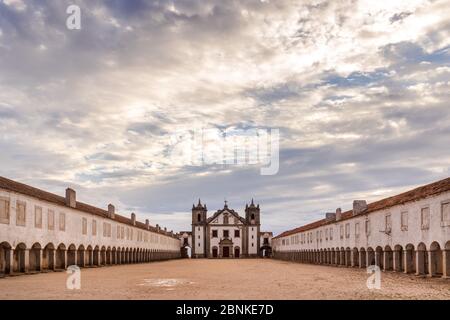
[226,252]
[236,252]
[214,252]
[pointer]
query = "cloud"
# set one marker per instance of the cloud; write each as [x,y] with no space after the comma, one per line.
[358,89]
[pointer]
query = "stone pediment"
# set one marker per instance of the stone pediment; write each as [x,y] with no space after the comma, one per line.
[226,241]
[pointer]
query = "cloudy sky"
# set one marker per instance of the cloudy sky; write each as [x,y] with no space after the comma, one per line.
[360,91]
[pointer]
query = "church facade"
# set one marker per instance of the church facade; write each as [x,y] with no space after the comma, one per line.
[226,234]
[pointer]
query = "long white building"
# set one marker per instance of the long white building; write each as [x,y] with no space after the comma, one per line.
[409,232]
[42,231]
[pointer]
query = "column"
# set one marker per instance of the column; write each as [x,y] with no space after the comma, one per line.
[40,260]
[407,267]
[27,260]
[11,260]
[431,269]
[419,263]
[360,259]
[396,262]
[386,259]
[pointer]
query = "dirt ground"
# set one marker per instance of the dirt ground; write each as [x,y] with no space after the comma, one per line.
[223,279]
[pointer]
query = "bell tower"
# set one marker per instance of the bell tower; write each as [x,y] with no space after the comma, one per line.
[199,212]
[253,222]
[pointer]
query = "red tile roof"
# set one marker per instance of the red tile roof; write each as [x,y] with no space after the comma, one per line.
[21,188]
[422,192]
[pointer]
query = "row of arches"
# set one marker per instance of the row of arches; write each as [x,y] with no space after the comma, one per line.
[420,260]
[38,258]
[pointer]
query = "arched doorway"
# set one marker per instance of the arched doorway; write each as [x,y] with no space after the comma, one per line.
[370,257]
[80,256]
[379,257]
[19,258]
[60,257]
[48,257]
[35,258]
[355,257]
[113,255]
[436,260]
[108,256]
[237,252]
[398,259]
[446,267]
[71,255]
[421,260]
[103,256]
[410,259]
[388,258]
[362,258]
[89,256]
[96,256]
[5,258]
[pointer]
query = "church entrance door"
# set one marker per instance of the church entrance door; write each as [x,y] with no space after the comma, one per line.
[226,252]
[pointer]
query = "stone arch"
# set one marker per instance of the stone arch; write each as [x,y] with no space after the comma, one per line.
[388,258]
[108,255]
[113,255]
[421,259]
[19,258]
[48,257]
[379,257]
[342,256]
[332,256]
[81,256]
[35,257]
[348,257]
[337,256]
[60,257]
[398,258]
[362,258]
[103,255]
[71,255]
[96,256]
[89,255]
[355,257]
[446,266]
[410,259]
[370,257]
[5,258]
[435,260]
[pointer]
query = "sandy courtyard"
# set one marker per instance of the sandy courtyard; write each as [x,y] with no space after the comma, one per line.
[222,279]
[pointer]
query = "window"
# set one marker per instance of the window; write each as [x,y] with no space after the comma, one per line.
[21,213]
[94,227]
[199,217]
[62,221]
[237,234]
[357,230]
[425,217]
[51,219]
[122,232]
[252,244]
[252,217]
[387,223]
[342,231]
[266,241]
[38,217]
[347,230]
[320,235]
[331,233]
[225,219]
[226,234]
[118,236]
[367,227]
[4,210]
[84,226]
[214,234]
[445,213]
[404,220]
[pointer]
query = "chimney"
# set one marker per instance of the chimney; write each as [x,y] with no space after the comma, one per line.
[157,227]
[330,216]
[133,219]
[147,224]
[111,211]
[165,229]
[338,214]
[359,206]
[71,198]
